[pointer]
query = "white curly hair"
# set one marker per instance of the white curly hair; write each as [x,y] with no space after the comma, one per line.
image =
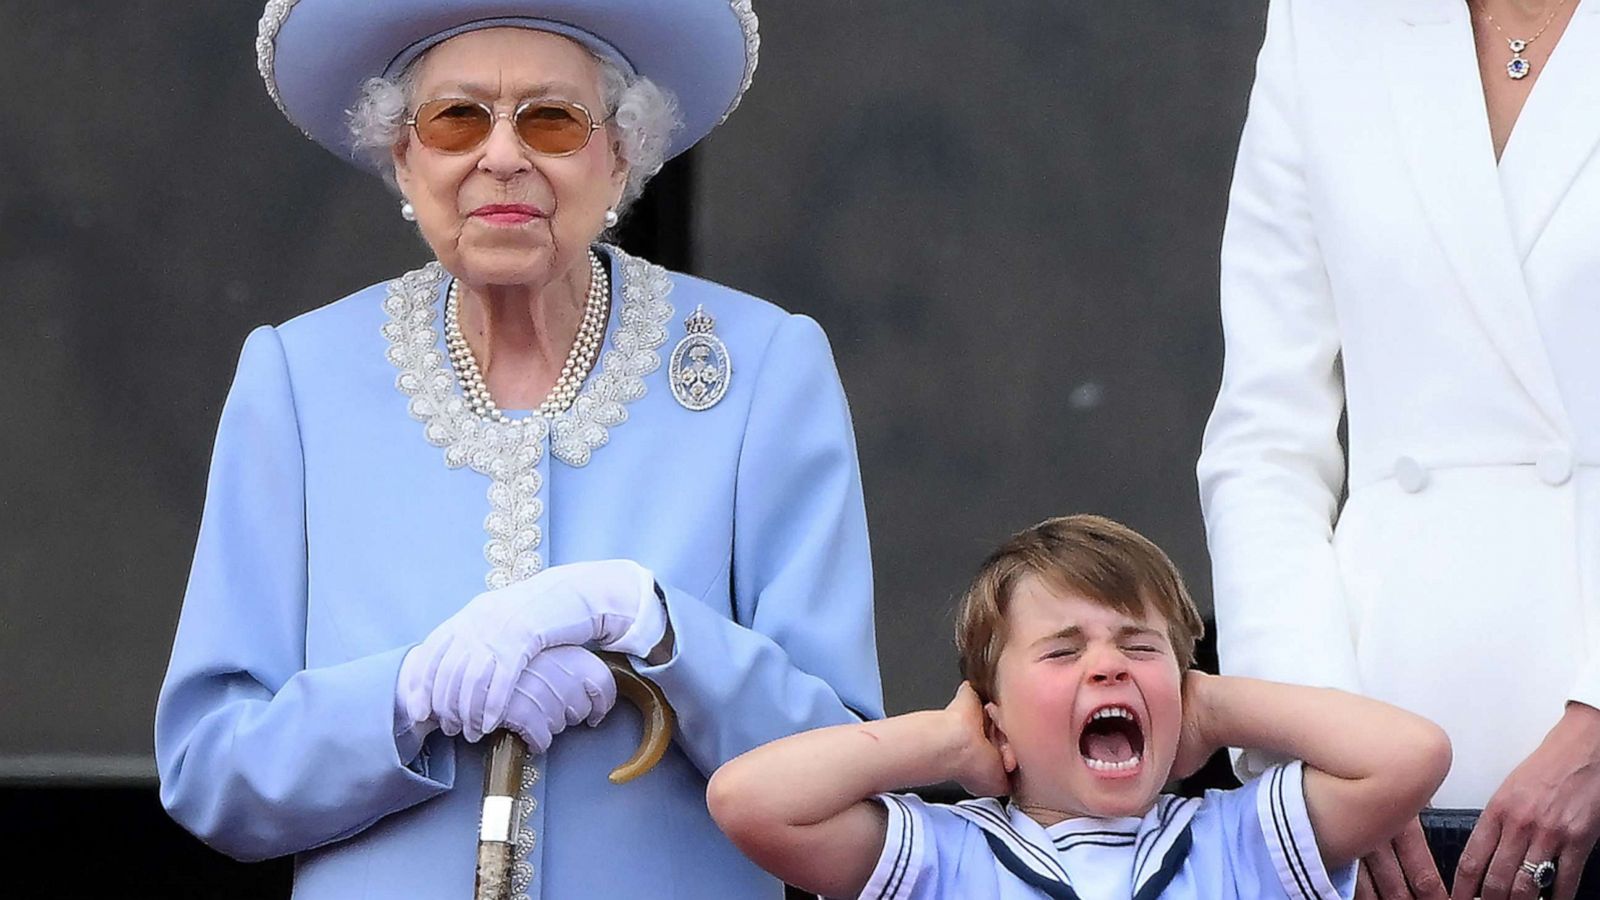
[643,115]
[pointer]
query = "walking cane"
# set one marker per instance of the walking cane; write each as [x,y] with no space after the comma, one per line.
[502,780]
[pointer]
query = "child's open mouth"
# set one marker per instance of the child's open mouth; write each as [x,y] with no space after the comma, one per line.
[1111,741]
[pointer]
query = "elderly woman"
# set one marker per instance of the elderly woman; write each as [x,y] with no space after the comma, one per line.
[1411,243]
[629,459]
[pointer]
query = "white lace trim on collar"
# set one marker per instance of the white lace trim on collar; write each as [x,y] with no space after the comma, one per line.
[509,453]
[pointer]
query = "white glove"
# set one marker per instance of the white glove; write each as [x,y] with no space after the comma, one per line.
[561,686]
[462,676]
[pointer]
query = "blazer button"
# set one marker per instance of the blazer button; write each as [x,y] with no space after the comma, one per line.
[1554,466]
[1410,475]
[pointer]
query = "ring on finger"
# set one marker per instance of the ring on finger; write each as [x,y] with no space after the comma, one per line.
[1543,873]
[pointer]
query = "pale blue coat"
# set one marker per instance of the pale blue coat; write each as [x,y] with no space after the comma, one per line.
[335,536]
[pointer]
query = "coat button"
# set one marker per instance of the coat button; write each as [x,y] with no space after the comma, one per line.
[1554,466]
[1410,475]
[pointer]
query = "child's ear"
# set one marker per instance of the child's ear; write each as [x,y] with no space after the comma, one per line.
[995,730]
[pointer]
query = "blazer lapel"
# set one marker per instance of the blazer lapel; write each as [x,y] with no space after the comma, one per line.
[1443,130]
[1558,131]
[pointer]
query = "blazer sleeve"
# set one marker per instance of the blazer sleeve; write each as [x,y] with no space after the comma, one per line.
[1271,468]
[1587,688]
[258,755]
[800,651]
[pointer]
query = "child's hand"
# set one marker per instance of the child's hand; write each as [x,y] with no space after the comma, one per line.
[978,766]
[1195,745]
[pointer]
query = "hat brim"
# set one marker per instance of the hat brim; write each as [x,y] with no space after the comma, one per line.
[315,54]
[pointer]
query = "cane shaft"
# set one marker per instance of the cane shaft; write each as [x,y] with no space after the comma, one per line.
[497,832]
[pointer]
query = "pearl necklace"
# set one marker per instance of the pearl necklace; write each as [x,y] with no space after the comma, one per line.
[580,359]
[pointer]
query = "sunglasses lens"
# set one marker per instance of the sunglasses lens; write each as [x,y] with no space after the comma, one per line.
[553,128]
[452,126]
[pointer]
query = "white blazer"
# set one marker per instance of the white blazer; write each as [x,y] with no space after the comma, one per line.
[1378,263]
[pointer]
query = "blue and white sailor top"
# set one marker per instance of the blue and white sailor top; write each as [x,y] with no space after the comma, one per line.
[1253,841]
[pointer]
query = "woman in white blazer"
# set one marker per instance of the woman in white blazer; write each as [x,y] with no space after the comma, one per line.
[1403,253]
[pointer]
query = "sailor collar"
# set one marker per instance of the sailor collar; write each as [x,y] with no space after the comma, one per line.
[1160,842]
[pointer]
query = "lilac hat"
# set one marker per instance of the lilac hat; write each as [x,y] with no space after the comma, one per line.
[315,54]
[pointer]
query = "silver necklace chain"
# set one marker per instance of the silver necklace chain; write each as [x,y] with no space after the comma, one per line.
[1520,67]
[580,359]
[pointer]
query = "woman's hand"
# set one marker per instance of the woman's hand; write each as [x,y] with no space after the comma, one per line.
[464,674]
[1401,869]
[1195,744]
[979,768]
[561,687]
[1548,808]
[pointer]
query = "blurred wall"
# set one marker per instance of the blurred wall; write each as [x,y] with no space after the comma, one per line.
[1007,217]
[1005,214]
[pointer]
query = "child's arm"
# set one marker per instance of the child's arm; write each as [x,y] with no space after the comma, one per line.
[1370,766]
[800,807]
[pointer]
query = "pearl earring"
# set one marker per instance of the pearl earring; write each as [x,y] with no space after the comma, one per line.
[612,218]
[408,212]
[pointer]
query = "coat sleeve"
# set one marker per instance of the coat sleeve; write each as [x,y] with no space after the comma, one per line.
[1587,688]
[258,755]
[1271,467]
[800,651]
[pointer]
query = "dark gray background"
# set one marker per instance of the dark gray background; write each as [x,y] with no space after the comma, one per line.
[1005,214]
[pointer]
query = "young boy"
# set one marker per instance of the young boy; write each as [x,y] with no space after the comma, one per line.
[1076,640]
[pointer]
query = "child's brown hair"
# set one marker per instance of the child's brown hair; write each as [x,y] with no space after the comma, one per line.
[1104,561]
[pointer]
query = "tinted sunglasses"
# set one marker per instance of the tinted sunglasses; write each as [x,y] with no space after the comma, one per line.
[547,127]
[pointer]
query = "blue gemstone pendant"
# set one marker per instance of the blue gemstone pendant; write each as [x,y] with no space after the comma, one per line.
[1519,67]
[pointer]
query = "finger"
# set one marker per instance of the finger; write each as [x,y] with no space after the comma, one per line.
[563,664]
[497,696]
[1364,887]
[576,701]
[533,732]
[447,688]
[416,700]
[1387,876]
[580,706]
[526,717]
[1416,861]
[604,687]
[597,704]
[419,696]
[1522,886]
[598,683]
[964,694]
[558,708]
[1475,857]
[474,686]
[999,780]
[1569,871]
[1544,846]
[1503,872]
